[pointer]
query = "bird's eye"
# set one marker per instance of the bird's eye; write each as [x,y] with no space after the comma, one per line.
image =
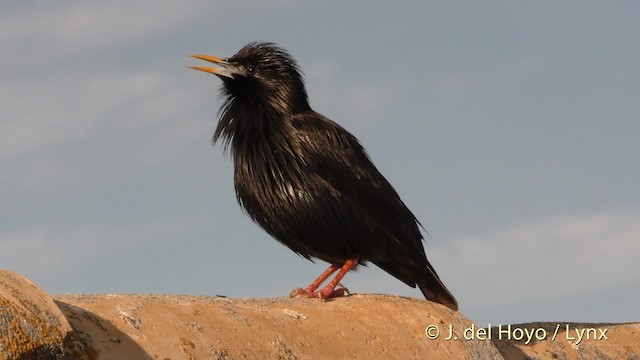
[251,69]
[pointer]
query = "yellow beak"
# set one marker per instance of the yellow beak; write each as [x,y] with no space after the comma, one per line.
[226,69]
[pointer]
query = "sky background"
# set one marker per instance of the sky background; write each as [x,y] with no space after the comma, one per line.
[511,129]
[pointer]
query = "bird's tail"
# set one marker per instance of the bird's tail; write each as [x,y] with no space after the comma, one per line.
[428,281]
[434,290]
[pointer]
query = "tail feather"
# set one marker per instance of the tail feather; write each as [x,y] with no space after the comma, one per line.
[441,295]
[428,282]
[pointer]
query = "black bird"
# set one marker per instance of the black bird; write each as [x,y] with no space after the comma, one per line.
[307,181]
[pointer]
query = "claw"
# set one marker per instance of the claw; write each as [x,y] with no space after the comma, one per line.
[300,292]
[327,293]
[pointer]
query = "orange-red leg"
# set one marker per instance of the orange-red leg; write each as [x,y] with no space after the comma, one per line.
[330,290]
[308,292]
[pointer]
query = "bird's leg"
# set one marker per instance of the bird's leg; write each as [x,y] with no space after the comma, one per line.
[330,290]
[310,290]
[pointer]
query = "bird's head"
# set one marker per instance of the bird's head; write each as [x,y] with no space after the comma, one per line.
[260,75]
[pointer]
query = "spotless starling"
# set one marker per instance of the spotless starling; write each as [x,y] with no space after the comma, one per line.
[308,182]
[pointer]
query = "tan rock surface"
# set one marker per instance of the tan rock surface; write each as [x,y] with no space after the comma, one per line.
[354,327]
[582,341]
[31,325]
[192,327]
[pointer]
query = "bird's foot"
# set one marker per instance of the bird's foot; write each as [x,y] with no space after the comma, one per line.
[333,289]
[326,293]
[300,292]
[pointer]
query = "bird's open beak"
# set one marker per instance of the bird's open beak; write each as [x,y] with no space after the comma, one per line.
[226,69]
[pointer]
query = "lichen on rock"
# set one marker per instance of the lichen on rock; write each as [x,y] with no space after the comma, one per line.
[31,324]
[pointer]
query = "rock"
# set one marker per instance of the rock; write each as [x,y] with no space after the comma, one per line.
[198,327]
[31,324]
[581,341]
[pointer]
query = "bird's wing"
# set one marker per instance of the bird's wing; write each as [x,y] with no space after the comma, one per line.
[337,157]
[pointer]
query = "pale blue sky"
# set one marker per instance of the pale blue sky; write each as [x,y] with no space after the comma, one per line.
[510,129]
